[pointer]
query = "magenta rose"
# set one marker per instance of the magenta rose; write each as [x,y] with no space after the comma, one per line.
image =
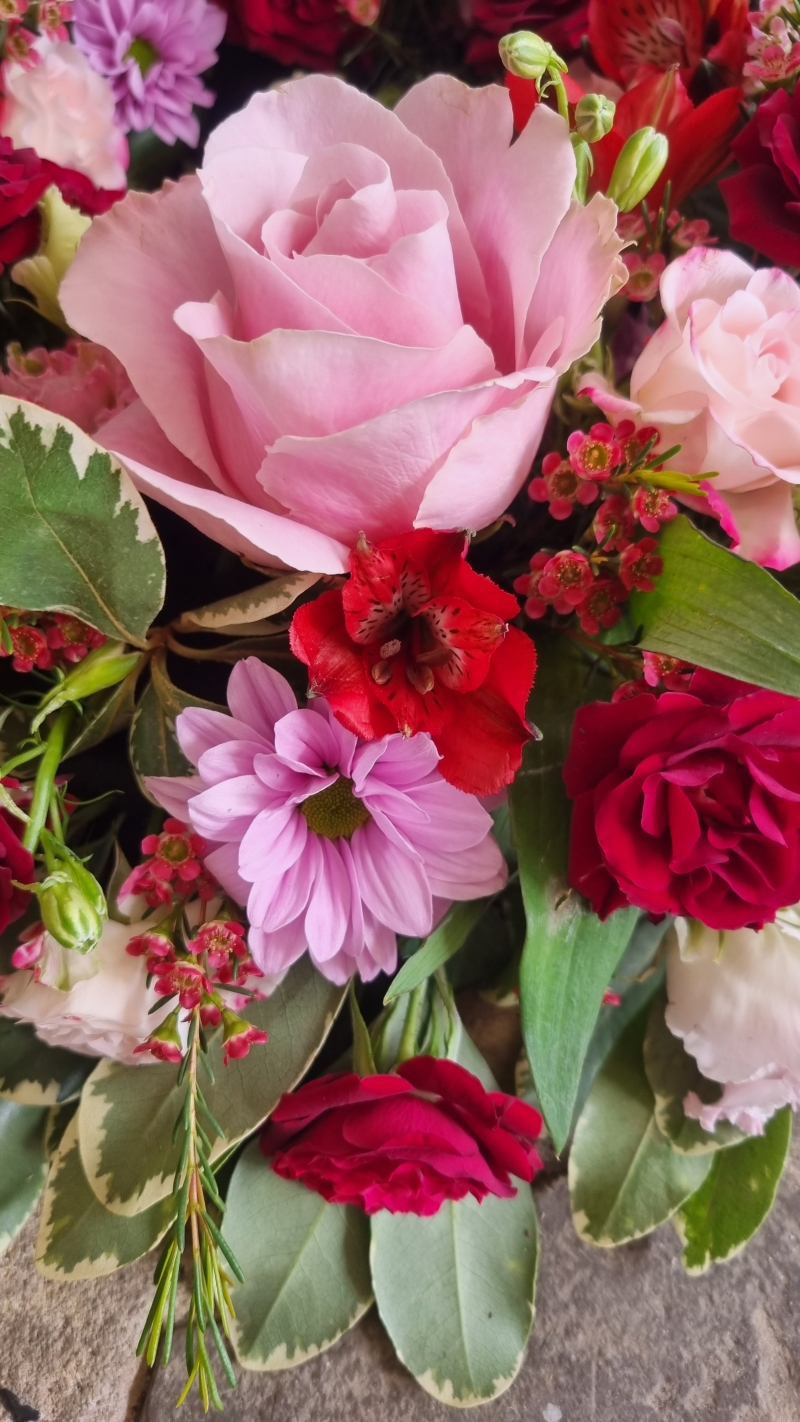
[406,1142]
[764,198]
[350,319]
[688,803]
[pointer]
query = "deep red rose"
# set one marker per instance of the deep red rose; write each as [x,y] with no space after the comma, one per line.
[764,199]
[15,863]
[688,803]
[405,1142]
[306,32]
[418,641]
[24,178]
[632,42]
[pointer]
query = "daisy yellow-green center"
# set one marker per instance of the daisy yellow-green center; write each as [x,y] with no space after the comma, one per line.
[336,812]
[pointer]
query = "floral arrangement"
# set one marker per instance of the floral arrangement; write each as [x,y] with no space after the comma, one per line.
[399,428]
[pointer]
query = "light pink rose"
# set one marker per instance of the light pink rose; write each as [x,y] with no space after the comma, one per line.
[349,318]
[83,382]
[64,110]
[721,377]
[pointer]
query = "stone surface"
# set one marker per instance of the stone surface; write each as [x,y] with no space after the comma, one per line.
[68,1350]
[620,1336]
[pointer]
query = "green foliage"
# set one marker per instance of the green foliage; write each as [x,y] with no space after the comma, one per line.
[735,1197]
[672,1072]
[456,1293]
[23,1165]
[34,1074]
[307,1278]
[78,1238]
[104,714]
[246,613]
[76,534]
[569,955]
[438,947]
[624,1176]
[714,609]
[154,746]
[127,1114]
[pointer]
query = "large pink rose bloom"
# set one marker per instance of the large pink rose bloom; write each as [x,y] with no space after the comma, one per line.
[721,377]
[335,844]
[349,319]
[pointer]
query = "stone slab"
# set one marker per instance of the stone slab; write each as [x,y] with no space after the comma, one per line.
[620,1336]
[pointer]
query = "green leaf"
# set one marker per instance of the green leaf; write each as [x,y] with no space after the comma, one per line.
[363,1059]
[440,945]
[103,715]
[735,1198]
[624,1176]
[714,609]
[672,1072]
[306,1266]
[77,537]
[455,1293]
[34,1074]
[569,955]
[154,746]
[127,1114]
[78,1238]
[23,1165]
[237,614]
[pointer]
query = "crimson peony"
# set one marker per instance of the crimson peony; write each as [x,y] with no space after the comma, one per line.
[418,641]
[407,1142]
[688,803]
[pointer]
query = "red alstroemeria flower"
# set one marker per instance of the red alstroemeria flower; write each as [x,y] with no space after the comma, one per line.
[705,39]
[699,137]
[418,641]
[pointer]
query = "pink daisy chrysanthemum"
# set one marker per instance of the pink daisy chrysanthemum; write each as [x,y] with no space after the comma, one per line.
[152,52]
[335,844]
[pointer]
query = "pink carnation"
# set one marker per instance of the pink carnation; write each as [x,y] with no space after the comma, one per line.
[82,382]
[334,844]
[152,51]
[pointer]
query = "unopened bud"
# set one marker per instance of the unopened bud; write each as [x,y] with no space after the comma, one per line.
[165,1043]
[72,904]
[106,666]
[583,166]
[638,167]
[529,56]
[594,117]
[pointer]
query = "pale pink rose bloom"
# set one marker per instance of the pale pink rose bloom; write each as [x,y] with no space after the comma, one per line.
[721,377]
[335,844]
[64,110]
[82,382]
[734,999]
[350,319]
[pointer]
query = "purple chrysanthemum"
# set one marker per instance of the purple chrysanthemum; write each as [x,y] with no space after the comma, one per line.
[152,51]
[335,844]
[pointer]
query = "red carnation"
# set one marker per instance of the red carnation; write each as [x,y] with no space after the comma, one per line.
[764,199]
[405,1142]
[688,803]
[418,641]
[24,178]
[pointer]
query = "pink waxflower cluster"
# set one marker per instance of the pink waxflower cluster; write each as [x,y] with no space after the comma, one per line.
[646,263]
[197,972]
[44,639]
[25,21]
[773,52]
[172,870]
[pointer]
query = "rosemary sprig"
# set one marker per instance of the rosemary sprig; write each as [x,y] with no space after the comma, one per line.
[213,1264]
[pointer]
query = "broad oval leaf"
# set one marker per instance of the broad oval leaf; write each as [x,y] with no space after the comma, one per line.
[672,1072]
[78,1238]
[735,1197]
[718,611]
[35,1074]
[154,748]
[306,1266]
[77,536]
[252,606]
[624,1176]
[127,1114]
[569,955]
[23,1165]
[456,1292]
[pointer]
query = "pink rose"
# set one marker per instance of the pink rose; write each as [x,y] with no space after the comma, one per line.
[350,319]
[721,377]
[81,381]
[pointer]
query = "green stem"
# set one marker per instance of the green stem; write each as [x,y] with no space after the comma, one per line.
[561,95]
[45,778]
[21,759]
[408,1041]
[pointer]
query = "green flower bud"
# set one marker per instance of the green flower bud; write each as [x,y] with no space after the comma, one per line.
[638,168]
[529,56]
[594,117]
[72,904]
[583,166]
[104,667]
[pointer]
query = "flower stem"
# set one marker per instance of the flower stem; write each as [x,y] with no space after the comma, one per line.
[45,778]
